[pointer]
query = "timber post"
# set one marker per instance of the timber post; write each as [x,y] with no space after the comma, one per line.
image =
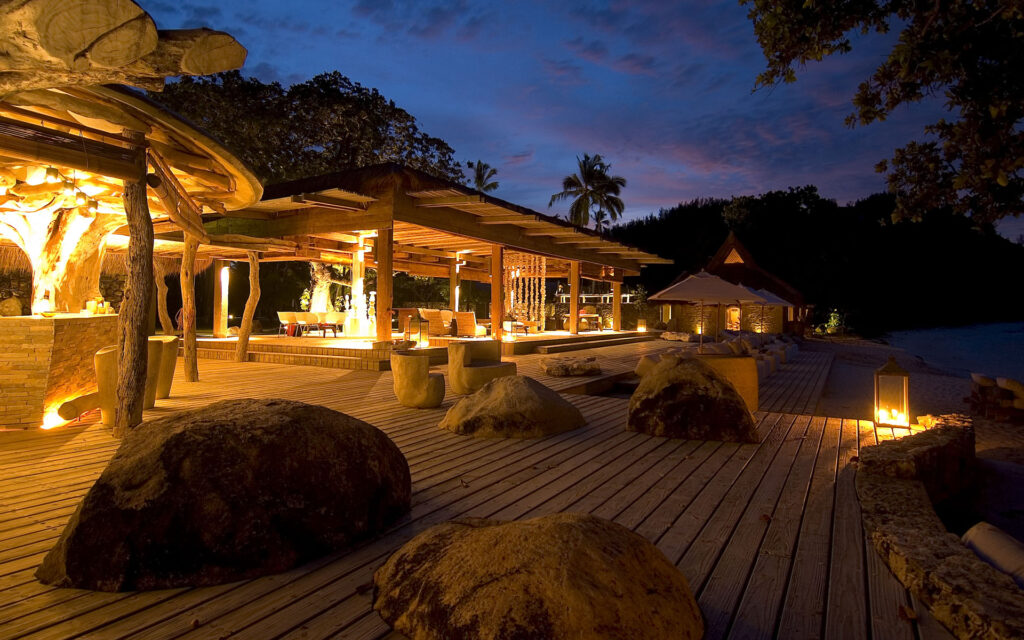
[133,331]
[497,291]
[221,276]
[242,348]
[616,306]
[188,307]
[574,297]
[383,253]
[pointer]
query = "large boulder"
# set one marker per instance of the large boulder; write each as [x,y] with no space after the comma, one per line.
[513,407]
[685,398]
[10,307]
[237,489]
[561,366]
[559,576]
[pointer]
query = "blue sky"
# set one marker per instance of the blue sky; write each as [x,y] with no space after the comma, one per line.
[663,90]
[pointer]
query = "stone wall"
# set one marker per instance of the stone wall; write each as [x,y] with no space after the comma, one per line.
[47,361]
[897,482]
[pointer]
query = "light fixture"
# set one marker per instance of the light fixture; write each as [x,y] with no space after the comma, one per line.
[80,199]
[69,189]
[892,395]
[52,175]
[93,205]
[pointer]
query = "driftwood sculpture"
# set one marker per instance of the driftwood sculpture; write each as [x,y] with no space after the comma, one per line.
[64,43]
[76,154]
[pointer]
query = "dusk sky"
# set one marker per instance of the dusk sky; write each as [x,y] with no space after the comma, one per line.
[661,89]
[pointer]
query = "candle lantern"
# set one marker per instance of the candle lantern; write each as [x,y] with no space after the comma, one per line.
[641,324]
[414,329]
[892,395]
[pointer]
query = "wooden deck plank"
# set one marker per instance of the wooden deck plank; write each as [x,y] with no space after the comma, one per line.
[758,611]
[847,608]
[701,502]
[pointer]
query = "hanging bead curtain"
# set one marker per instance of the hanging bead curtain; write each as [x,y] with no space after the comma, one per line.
[523,278]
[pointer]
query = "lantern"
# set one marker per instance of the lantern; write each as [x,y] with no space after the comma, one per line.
[892,395]
[414,330]
[641,324]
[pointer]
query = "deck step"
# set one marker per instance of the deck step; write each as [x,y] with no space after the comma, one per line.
[309,360]
[592,344]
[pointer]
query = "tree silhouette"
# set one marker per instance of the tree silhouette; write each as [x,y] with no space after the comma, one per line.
[591,189]
[483,175]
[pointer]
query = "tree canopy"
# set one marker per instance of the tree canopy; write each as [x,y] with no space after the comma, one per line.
[483,176]
[972,51]
[881,274]
[591,189]
[327,123]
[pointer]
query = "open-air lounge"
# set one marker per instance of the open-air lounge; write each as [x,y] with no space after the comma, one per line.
[537,466]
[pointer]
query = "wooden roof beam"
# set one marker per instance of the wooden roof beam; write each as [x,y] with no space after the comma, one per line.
[329,202]
[465,224]
[447,201]
[516,218]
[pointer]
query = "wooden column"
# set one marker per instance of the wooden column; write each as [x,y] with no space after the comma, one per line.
[384,252]
[166,324]
[221,274]
[453,283]
[617,306]
[497,291]
[132,329]
[188,307]
[574,297]
[242,348]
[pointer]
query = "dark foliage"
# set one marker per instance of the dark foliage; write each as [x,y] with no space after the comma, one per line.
[970,51]
[882,275]
[327,123]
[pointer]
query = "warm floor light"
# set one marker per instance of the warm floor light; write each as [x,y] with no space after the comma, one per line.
[896,418]
[52,420]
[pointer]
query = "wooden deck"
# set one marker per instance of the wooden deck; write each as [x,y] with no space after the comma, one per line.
[768,535]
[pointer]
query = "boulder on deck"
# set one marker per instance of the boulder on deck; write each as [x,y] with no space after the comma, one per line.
[513,407]
[237,489]
[686,398]
[560,576]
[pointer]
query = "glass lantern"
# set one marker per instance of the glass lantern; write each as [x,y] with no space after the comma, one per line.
[414,329]
[641,325]
[892,395]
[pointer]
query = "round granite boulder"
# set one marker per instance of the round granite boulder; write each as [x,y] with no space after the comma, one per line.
[561,366]
[237,489]
[10,307]
[685,398]
[560,576]
[513,407]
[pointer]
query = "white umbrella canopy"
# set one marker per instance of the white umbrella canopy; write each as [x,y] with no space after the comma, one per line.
[705,288]
[708,289]
[773,299]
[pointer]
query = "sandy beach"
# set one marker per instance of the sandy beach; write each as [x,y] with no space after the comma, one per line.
[849,392]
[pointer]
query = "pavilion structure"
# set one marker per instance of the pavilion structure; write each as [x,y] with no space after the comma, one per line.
[89,166]
[392,218]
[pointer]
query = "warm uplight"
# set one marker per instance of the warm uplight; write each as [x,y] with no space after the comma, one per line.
[424,342]
[892,417]
[641,324]
[52,420]
[225,277]
[508,336]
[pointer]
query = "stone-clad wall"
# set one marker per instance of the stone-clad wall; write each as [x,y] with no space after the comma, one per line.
[45,361]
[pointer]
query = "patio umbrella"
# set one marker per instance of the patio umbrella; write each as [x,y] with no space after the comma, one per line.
[771,300]
[704,288]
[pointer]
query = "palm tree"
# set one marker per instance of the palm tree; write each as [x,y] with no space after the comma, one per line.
[600,220]
[591,190]
[482,176]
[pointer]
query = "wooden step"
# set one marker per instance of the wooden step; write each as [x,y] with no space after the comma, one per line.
[591,344]
[309,360]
